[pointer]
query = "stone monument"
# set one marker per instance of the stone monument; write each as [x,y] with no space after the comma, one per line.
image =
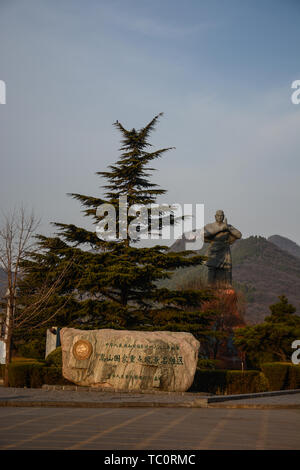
[52,340]
[220,235]
[129,360]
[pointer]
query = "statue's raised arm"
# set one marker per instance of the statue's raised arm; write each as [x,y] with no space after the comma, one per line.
[235,234]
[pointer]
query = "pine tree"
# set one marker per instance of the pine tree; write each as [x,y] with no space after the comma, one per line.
[272,339]
[115,284]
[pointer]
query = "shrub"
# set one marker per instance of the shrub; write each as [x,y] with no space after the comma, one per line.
[277,374]
[55,358]
[227,382]
[53,376]
[208,364]
[24,359]
[25,374]
[282,375]
[34,375]
[249,381]
[211,381]
[294,376]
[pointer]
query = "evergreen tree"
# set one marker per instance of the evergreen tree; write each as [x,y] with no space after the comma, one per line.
[272,339]
[114,283]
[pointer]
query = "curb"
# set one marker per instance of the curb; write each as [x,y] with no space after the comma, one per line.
[196,404]
[81,388]
[244,396]
[258,406]
[203,402]
[80,404]
[206,396]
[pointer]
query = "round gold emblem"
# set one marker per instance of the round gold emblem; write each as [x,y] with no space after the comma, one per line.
[82,349]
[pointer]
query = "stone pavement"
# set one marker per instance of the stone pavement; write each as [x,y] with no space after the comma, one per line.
[264,402]
[92,419]
[53,396]
[148,428]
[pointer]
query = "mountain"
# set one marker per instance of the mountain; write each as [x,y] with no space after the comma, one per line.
[285,244]
[265,271]
[261,269]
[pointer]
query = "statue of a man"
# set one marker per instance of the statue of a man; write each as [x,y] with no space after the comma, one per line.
[220,236]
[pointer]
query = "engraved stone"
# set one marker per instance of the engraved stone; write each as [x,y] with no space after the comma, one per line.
[129,360]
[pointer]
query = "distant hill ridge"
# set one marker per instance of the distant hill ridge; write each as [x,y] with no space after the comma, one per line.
[285,244]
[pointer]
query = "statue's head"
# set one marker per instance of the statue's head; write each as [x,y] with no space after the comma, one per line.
[219,216]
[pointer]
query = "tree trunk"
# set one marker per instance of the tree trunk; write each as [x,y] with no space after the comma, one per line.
[8,339]
[7,358]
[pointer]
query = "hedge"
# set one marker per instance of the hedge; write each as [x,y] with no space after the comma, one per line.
[274,376]
[250,381]
[229,382]
[208,364]
[53,376]
[25,374]
[55,358]
[34,375]
[294,376]
[282,375]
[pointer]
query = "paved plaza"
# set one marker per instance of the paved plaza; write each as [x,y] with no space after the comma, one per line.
[68,419]
[146,428]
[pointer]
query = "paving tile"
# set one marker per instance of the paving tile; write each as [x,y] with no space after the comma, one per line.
[212,428]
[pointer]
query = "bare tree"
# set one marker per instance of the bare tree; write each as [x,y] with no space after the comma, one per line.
[16,238]
[17,242]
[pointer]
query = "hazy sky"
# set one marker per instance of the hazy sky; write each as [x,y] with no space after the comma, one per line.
[221,71]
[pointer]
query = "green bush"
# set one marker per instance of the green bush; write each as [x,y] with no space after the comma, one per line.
[294,376]
[229,382]
[249,381]
[277,374]
[34,375]
[282,375]
[211,381]
[55,358]
[208,364]
[25,374]
[53,376]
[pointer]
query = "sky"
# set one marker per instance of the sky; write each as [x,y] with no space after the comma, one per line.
[220,71]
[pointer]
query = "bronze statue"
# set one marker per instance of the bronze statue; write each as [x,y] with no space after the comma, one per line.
[220,236]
